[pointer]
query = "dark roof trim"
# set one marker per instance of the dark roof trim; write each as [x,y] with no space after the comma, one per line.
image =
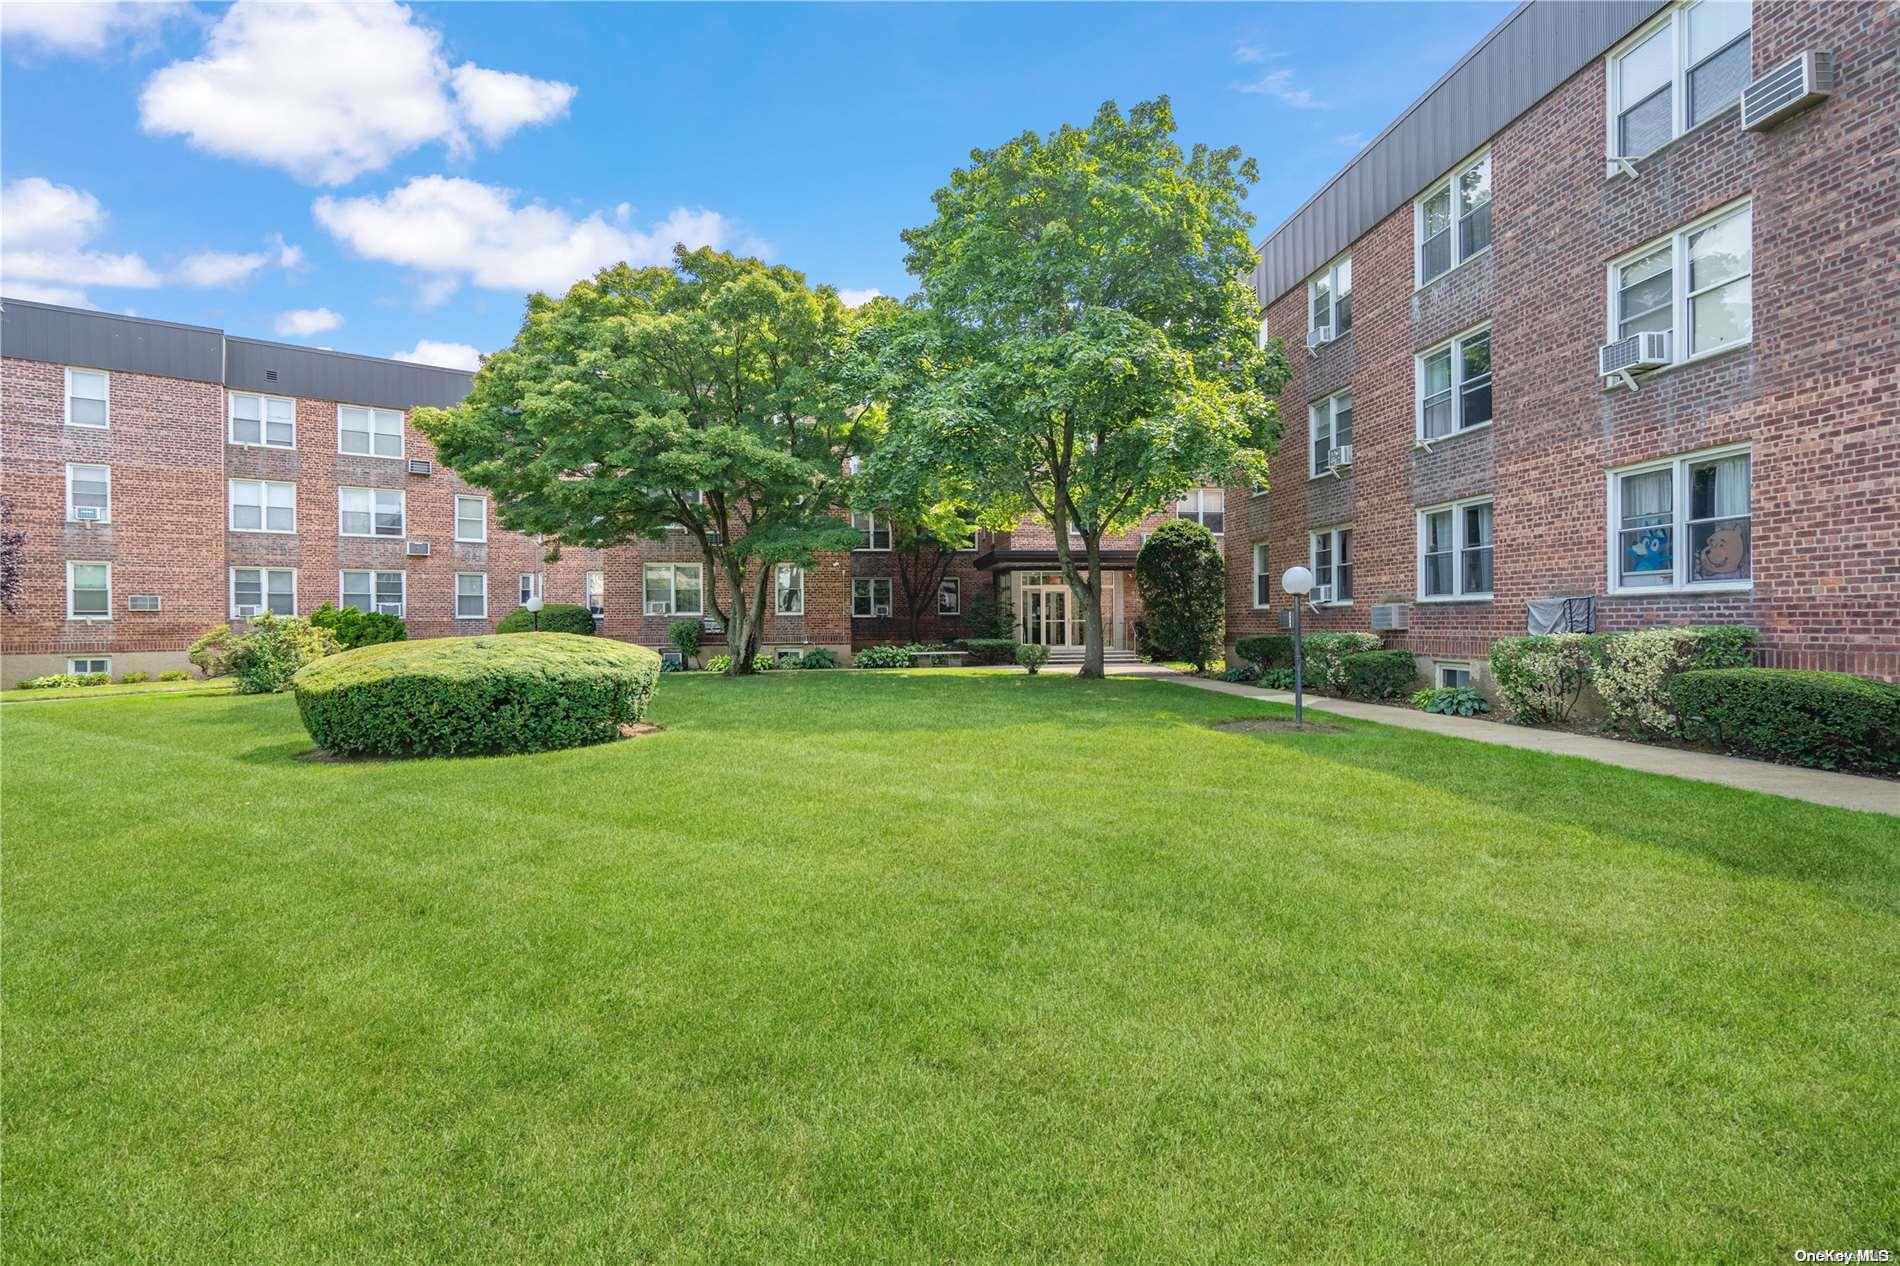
[1045,559]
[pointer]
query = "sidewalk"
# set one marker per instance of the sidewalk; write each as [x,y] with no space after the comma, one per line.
[1819,786]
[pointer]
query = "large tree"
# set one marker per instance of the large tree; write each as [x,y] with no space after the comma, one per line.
[1084,345]
[703,397]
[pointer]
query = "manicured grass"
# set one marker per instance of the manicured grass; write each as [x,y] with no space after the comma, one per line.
[196,686]
[931,966]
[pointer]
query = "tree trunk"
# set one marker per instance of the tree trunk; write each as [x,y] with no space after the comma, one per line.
[1093,649]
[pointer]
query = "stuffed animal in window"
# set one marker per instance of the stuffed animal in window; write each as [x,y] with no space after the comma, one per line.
[1723,554]
[1649,551]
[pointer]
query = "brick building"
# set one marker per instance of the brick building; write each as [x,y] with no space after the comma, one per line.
[1584,178]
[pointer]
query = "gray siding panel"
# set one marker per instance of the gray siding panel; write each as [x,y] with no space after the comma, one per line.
[318,375]
[1533,51]
[100,340]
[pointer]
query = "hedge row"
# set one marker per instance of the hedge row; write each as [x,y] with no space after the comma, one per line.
[1324,654]
[1380,674]
[556,617]
[1540,678]
[1823,720]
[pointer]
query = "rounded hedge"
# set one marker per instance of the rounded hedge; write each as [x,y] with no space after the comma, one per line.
[456,696]
[556,617]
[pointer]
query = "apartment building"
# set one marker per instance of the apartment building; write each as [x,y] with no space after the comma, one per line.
[1581,341]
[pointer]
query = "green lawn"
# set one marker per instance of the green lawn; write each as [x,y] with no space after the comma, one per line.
[933,966]
[118,690]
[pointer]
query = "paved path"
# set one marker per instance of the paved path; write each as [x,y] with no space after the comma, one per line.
[1842,791]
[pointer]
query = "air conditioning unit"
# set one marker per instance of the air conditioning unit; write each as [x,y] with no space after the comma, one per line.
[421,466]
[1801,81]
[1339,455]
[89,514]
[1389,617]
[142,602]
[419,549]
[245,613]
[659,608]
[389,608]
[1318,335]
[1321,595]
[1286,618]
[1648,350]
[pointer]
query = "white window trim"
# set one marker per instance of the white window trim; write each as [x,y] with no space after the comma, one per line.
[1199,514]
[777,574]
[1458,592]
[264,580]
[402,433]
[457,596]
[956,596]
[872,548]
[1456,344]
[372,573]
[1446,183]
[873,582]
[1679,489]
[402,496]
[1330,274]
[72,662]
[587,592]
[1676,13]
[1260,555]
[1312,558]
[460,497]
[263,528]
[1330,405]
[71,509]
[536,586]
[66,401]
[673,570]
[263,422]
[1463,665]
[71,614]
[1678,242]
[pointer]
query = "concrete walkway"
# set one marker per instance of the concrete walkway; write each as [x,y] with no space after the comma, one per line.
[1819,786]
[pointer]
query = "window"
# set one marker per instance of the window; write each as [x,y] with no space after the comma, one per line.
[597,593]
[88,398]
[89,591]
[789,590]
[1205,506]
[263,420]
[1330,555]
[529,585]
[1262,336]
[949,596]
[86,667]
[1677,74]
[1454,551]
[371,511]
[1330,421]
[788,656]
[673,589]
[1262,578]
[1452,221]
[471,595]
[471,519]
[255,589]
[368,591]
[871,533]
[258,505]
[1454,386]
[1454,675]
[870,597]
[1329,298]
[1655,508]
[88,493]
[370,432]
[1695,284]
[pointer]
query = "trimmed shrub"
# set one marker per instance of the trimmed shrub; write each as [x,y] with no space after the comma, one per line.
[1633,673]
[273,648]
[1823,720]
[94,679]
[1324,655]
[685,635]
[719,664]
[1454,701]
[1183,583]
[818,657]
[353,628]
[53,681]
[211,653]
[1266,650]
[882,657]
[1379,674]
[1540,677]
[1032,656]
[133,679]
[1282,678]
[174,674]
[1242,673]
[556,617]
[986,650]
[458,696]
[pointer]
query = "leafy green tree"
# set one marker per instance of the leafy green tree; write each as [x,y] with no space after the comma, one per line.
[702,396]
[1183,583]
[1084,346]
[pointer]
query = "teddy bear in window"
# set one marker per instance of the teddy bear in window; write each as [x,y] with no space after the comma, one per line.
[1723,554]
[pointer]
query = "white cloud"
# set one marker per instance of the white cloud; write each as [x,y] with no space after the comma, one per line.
[289,258]
[303,322]
[1351,140]
[1278,84]
[218,268]
[68,296]
[858,298]
[449,355]
[329,91]
[78,28]
[45,232]
[450,230]
[1251,53]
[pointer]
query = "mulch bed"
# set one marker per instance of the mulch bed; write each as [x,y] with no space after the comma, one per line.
[1273,725]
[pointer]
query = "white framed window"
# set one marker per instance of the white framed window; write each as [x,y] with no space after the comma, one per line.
[1682,523]
[788,656]
[88,398]
[870,597]
[788,590]
[368,591]
[1454,551]
[1454,675]
[1329,555]
[1263,335]
[1205,506]
[259,505]
[1329,298]
[258,589]
[1454,385]
[264,421]
[372,511]
[949,596]
[471,595]
[88,493]
[1451,221]
[530,584]
[597,593]
[1695,284]
[673,588]
[1677,73]
[873,534]
[1262,577]
[88,667]
[368,432]
[471,519]
[1329,422]
[88,591]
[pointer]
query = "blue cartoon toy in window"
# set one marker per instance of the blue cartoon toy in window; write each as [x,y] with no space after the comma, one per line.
[1647,551]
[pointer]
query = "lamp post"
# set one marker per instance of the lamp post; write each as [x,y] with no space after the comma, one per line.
[1298,582]
[534,608]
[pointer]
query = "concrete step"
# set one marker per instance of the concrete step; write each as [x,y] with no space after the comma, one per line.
[1073,655]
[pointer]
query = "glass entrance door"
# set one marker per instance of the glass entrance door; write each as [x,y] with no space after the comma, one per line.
[1050,616]
[1055,617]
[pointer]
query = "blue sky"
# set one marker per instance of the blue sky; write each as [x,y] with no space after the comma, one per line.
[388,179]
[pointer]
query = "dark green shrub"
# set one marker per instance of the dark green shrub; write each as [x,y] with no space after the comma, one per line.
[818,657]
[1282,678]
[174,674]
[1242,673]
[1455,701]
[556,617]
[1183,582]
[1541,677]
[685,635]
[882,657]
[353,628]
[273,648]
[1032,656]
[719,664]
[211,653]
[986,650]
[133,679]
[986,619]
[1266,650]
[458,696]
[1379,674]
[1823,720]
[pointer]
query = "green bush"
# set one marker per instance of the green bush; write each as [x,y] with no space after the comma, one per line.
[353,628]
[1633,673]
[986,650]
[1823,720]
[719,664]
[1379,674]
[556,617]
[1540,677]
[986,619]
[1324,655]
[52,681]
[1242,673]
[1282,678]
[458,696]
[174,674]
[211,653]
[133,679]
[273,648]
[882,657]
[95,679]
[818,657]
[1455,701]
[685,636]
[763,663]
[1182,579]
[1032,655]
[1266,650]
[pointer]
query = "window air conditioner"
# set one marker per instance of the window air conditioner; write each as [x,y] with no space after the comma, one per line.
[421,466]
[142,602]
[88,514]
[1648,350]
[1803,80]
[1321,595]
[1390,617]
[659,608]
[1318,335]
[419,548]
[245,613]
[389,608]
[1339,455]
